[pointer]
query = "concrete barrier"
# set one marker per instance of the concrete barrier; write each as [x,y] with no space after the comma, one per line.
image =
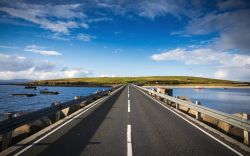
[17,129]
[236,126]
[23,131]
[167,91]
[6,137]
[246,132]
[216,123]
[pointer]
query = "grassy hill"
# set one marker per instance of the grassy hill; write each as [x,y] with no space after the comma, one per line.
[152,80]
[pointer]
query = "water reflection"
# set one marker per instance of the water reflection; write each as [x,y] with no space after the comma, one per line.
[18,103]
[226,100]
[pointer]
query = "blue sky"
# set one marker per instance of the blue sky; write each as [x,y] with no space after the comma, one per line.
[63,39]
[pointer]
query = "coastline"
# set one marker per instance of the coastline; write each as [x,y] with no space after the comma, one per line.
[202,87]
[61,85]
[147,85]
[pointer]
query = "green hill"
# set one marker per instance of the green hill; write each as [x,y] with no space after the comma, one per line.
[152,80]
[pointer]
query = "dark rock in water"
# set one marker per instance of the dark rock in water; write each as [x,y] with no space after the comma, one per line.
[30,87]
[27,95]
[48,92]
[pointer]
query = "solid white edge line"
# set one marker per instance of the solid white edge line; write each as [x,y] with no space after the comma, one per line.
[28,147]
[232,149]
[129,143]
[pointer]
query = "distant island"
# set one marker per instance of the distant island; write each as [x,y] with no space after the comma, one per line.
[15,81]
[148,81]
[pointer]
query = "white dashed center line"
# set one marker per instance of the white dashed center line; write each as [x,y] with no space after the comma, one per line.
[129,143]
[128,105]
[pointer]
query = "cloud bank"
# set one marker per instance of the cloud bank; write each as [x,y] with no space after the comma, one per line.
[57,18]
[14,66]
[224,22]
[85,37]
[227,64]
[39,50]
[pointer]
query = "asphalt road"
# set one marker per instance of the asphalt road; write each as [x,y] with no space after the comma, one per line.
[125,124]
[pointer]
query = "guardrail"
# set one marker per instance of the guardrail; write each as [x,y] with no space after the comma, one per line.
[7,126]
[241,123]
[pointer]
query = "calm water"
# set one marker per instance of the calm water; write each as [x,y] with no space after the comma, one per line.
[10,103]
[226,100]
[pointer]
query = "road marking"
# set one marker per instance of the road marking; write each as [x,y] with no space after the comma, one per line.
[232,149]
[129,106]
[37,141]
[128,91]
[129,143]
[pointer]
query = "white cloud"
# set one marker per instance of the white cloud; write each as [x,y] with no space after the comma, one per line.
[152,9]
[8,47]
[227,64]
[149,9]
[240,74]
[203,56]
[62,15]
[14,63]
[232,28]
[232,4]
[107,4]
[13,66]
[106,75]
[100,19]
[58,36]
[85,37]
[36,75]
[63,37]
[39,50]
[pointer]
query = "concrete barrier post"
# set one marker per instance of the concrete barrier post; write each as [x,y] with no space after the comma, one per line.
[161,90]
[58,114]
[165,101]
[6,137]
[167,91]
[77,97]
[158,97]
[198,114]
[170,92]
[177,106]
[57,118]
[246,133]
[197,102]
[169,102]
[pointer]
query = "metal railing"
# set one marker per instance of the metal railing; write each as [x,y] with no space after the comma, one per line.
[241,123]
[8,126]
[13,123]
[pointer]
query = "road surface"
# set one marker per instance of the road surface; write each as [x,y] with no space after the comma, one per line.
[127,123]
